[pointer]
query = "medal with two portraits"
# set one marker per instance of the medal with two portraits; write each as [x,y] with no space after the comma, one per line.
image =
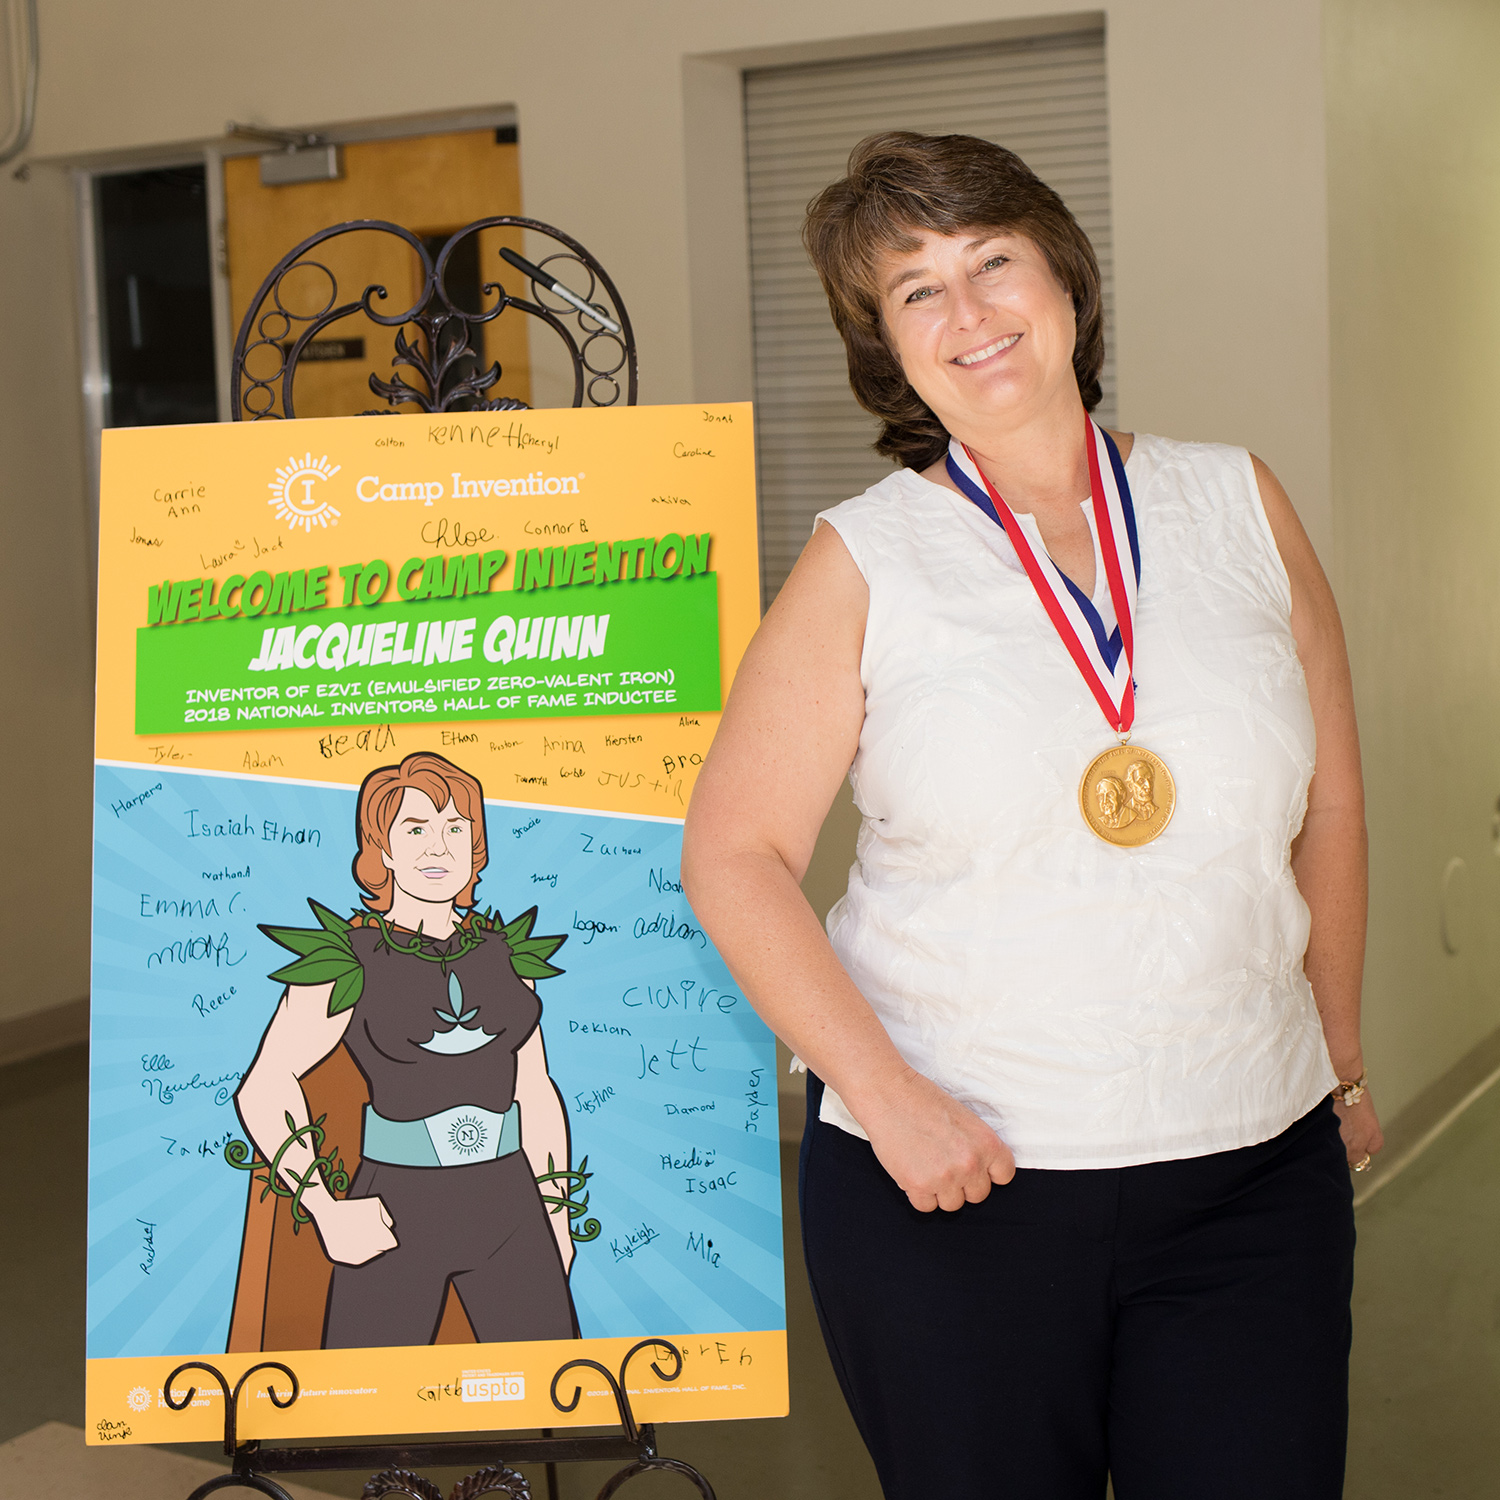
[1127,794]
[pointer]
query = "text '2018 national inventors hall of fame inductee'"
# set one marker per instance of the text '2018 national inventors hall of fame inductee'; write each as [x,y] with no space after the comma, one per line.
[410,1063]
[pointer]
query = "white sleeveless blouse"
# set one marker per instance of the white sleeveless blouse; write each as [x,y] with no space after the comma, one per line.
[1099,1007]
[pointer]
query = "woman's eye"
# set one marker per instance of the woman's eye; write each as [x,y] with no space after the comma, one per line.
[922,293]
[994,262]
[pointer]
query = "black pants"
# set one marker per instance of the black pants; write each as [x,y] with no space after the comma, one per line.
[1182,1326]
[483,1227]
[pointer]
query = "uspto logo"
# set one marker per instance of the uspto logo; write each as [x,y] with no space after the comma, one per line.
[467,1136]
[139,1399]
[508,1387]
[299,495]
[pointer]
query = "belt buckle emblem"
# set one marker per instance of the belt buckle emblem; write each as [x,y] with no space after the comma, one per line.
[468,1135]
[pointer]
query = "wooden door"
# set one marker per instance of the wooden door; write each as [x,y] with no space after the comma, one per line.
[430,184]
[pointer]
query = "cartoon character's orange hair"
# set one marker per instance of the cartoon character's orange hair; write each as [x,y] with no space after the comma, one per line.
[379,802]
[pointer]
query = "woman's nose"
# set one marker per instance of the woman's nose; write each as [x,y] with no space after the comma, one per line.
[966,308]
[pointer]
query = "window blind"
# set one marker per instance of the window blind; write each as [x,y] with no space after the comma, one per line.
[1042,97]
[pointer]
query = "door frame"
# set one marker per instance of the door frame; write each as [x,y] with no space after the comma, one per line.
[211,155]
[92,362]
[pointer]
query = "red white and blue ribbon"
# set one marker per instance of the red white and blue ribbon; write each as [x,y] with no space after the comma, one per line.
[1106,658]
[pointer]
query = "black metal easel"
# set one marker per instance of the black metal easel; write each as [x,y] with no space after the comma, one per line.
[288,322]
[397,1467]
[573,295]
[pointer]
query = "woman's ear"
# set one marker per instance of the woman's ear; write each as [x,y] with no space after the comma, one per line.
[387,861]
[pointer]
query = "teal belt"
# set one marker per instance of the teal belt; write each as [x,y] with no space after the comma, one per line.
[454,1138]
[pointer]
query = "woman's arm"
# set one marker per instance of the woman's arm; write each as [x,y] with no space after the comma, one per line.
[1329,857]
[300,1036]
[544,1131]
[787,739]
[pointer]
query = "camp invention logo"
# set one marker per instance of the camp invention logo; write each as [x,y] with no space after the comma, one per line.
[299,492]
[372,487]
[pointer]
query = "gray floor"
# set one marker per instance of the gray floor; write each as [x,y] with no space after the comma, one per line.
[43,1122]
[1425,1386]
[1426,1371]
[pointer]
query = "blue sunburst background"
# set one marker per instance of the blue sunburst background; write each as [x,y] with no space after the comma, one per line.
[656,1053]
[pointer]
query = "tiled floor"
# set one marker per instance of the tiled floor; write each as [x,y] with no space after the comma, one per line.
[1426,1377]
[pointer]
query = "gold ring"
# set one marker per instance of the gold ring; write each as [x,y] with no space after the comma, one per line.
[1363,1164]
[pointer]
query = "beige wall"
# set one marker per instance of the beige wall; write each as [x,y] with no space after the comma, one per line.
[46,607]
[1414,213]
[628,140]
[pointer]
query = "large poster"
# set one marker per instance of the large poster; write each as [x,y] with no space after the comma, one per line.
[411,1066]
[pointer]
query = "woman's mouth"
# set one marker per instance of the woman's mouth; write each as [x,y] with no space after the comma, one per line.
[433,872]
[978,356]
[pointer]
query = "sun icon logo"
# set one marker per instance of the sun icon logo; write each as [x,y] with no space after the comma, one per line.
[296,492]
[139,1399]
[467,1136]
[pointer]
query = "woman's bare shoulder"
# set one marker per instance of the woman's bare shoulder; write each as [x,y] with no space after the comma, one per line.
[825,592]
[1315,615]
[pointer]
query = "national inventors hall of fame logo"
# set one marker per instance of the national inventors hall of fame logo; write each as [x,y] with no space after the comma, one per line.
[300,494]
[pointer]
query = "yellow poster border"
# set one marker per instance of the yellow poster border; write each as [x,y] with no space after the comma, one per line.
[418,1389]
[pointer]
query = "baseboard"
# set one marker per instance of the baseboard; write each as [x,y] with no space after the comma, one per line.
[42,1031]
[1412,1131]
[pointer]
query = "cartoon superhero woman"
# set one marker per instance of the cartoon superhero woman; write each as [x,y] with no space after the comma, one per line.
[436,1004]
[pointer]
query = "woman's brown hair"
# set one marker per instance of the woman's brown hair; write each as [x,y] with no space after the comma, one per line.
[899,182]
[379,802]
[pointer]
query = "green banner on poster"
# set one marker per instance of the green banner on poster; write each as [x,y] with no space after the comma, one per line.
[649,648]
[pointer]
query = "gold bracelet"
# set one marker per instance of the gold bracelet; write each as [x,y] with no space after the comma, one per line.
[1349,1094]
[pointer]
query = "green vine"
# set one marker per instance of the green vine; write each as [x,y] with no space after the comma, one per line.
[329,1166]
[468,941]
[573,1179]
[325,953]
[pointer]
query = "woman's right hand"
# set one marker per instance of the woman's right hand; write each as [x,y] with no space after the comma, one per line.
[354,1230]
[940,1154]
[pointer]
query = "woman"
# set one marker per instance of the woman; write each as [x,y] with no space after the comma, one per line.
[1075,1198]
[463,1116]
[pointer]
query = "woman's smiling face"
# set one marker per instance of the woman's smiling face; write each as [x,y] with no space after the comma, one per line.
[980,325]
[431,850]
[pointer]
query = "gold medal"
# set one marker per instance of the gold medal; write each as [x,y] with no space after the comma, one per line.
[1127,796]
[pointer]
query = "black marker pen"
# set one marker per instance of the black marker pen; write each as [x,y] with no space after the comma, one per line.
[553,285]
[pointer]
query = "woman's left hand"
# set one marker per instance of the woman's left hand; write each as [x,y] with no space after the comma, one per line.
[1360,1127]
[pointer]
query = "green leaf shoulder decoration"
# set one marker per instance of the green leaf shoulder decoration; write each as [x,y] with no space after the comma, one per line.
[529,954]
[326,955]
